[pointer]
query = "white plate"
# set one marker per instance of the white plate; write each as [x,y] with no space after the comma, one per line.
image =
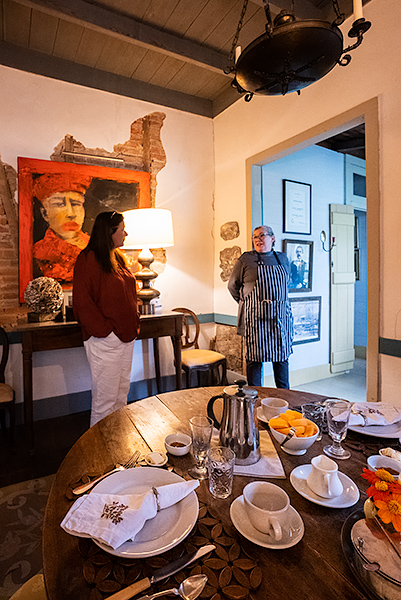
[261,415]
[169,527]
[349,497]
[241,522]
[384,431]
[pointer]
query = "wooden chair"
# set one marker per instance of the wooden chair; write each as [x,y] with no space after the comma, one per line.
[33,589]
[195,360]
[7,394]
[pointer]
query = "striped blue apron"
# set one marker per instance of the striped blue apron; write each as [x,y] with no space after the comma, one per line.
[268,316]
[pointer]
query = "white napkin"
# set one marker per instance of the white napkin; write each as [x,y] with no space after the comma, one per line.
[269,465]
[114,519]
[376,413]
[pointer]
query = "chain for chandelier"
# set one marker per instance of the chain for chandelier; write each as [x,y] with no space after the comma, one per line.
[239,27]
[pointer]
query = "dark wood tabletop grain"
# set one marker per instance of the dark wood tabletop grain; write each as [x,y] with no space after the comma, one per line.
[314,569]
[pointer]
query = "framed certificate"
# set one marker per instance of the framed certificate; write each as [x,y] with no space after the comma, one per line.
[297,207]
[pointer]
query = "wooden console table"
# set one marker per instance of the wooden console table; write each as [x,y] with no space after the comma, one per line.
[50,335]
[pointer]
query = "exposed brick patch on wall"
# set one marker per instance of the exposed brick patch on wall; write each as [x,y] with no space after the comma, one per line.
[8,240]
[142,152]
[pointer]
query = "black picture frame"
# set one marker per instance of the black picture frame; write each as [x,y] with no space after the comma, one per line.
[300,257]
[297,207]
[307,317]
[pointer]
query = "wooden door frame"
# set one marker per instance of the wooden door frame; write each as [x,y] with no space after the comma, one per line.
[368,113]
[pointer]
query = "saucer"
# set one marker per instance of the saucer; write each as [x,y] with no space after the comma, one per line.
[261,415]
[241,522]
[155,459]
[349,497]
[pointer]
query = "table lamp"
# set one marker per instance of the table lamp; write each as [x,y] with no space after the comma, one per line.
[147,228]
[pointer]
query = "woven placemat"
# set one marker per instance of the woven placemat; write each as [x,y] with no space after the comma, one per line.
[232,573]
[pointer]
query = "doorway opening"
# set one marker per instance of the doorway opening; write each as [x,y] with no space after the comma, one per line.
[359,122]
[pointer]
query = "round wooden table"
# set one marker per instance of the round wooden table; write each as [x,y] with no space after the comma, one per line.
[314,569]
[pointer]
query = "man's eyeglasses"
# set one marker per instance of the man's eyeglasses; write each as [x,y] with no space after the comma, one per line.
[261,236]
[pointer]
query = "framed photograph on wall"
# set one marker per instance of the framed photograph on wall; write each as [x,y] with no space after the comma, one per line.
[58,204]
[306,313]
[300,257]
[297,203]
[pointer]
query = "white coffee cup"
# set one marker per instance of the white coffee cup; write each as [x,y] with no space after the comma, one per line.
[267,507]
[273,407]
[323,478]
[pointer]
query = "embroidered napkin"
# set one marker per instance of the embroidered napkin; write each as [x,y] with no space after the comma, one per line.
[376,413]
[114,519]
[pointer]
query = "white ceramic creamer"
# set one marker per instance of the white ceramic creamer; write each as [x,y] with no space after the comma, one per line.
[323,478]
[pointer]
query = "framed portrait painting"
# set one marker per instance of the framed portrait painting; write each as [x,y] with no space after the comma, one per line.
[306,312]
[297,207]
[300,257]
[58,204]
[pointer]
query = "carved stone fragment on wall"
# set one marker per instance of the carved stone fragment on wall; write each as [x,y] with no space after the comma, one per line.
[228,258]
[229,343]
[229,230]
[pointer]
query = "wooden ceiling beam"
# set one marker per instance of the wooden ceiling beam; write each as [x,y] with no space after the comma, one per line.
[58,68]
[130,30]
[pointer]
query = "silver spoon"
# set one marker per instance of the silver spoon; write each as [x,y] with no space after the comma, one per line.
[368,565]
[189,589]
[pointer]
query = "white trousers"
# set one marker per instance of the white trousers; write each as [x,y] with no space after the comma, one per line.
[110,362]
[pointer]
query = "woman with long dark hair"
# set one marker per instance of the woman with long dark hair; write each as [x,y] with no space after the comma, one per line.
[105,305]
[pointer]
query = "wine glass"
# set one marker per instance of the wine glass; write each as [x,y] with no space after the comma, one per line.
[201,433]
[337,412]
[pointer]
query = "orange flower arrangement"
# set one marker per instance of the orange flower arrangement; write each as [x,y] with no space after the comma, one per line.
[385,492]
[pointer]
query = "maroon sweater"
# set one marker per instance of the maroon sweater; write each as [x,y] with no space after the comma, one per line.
[104,302]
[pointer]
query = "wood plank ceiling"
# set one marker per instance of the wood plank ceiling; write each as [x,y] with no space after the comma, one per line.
[171,52]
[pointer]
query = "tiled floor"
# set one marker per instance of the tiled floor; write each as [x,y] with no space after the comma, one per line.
[351,386]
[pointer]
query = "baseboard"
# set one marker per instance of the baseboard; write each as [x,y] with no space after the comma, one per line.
[360,352]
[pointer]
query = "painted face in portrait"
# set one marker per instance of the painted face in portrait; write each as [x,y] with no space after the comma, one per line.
[64,212]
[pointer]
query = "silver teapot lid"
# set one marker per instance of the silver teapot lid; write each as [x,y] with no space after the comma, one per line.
[241,390]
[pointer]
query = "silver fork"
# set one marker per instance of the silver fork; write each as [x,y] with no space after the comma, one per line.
[82,489]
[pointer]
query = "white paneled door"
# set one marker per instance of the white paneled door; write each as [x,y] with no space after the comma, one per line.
[342,288]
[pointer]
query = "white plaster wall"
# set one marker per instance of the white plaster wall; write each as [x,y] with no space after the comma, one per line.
[35,114]
[245,129]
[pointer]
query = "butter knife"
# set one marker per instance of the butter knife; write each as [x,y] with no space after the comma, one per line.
[163,573]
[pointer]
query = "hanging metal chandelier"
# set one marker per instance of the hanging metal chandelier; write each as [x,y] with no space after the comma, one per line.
[292,54]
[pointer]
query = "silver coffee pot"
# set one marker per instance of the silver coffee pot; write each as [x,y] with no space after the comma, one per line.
[238,427]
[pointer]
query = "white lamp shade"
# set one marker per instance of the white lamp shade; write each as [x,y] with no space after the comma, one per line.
[148,228]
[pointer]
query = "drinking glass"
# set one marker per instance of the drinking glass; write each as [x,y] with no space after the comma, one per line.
[201,433]
[220,467]
[337,412]
[315,413]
